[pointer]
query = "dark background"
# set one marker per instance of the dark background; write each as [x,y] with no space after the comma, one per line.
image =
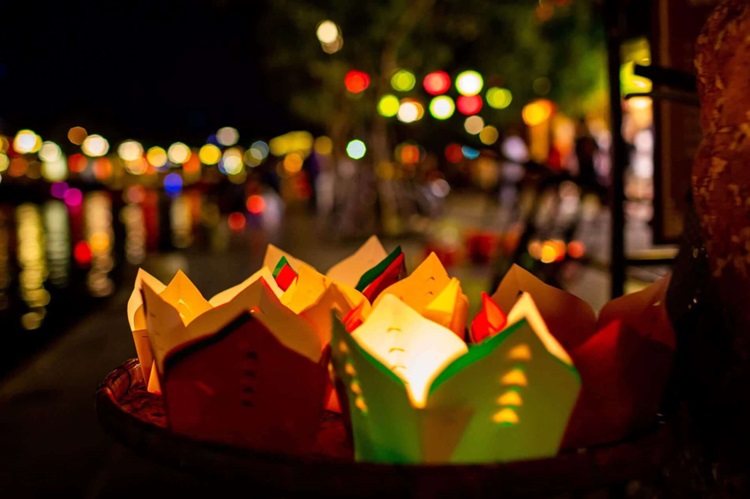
[151,70]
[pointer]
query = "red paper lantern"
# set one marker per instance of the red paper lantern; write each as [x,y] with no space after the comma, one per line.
[469,105]
[356,81]
[437,82]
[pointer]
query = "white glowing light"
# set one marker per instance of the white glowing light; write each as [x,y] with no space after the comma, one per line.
[130,150]
[95,146]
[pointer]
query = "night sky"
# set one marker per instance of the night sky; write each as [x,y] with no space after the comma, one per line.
[152,70]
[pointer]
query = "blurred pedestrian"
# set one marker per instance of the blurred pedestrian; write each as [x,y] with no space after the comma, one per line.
[586,150]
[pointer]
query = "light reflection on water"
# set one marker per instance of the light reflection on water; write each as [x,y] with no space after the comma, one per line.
[5,271]
[54,256]
[57,228]
[32,264]
[100,236]
[135,233]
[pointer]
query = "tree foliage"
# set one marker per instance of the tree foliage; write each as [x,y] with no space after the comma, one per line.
[512,43]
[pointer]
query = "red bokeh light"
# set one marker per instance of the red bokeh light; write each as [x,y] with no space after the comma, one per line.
[82,253]
[469,105]
[236,221]
[410,154]
[437,82]
[77,162]
[356,81]
[453,153]
[576,249]
[256,204]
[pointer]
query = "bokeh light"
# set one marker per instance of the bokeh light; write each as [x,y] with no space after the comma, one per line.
[489,135]
[442,107]
[468,105]
[515,149]
[576,249]
[137,167]
[73,197]
[327,32]
[388,105]
[469,83]
[55,171]
[323,145]
[102,169]
[50,152]
[77,163]
[453,153]
[58,189]
[82,253]
[260,149]
[178,153]
[403,80]
[227,136]
[498,97]
[408,154]
[256,204]
[19,166]
[294,141]
[26,141]
[156,156]
[135,194]
[356,149]
[231,162]
[209,154]
[410,111]
[537,112]
[173,183]
[4,162]
[236,221]
[469,152]
[77,134]
[95,146]
[437,82]
[130,150]
[252,158]
[293,162]
[356,81]
[473,124]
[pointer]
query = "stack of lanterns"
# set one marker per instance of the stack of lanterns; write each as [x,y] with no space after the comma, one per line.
[534,372]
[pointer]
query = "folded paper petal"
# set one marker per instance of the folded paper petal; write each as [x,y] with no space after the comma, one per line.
[349,270]
[228,294]
[274,254]
[284,274]
[644,311]
[571,319]
[450,308]
[624,375]
[421,287]
[137,320]
[241,386]
[185,297]
[488,322]
[168,332]
[381,267]
[625,367]
[395,271]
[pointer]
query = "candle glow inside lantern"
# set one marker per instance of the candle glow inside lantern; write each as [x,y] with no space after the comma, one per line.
[418,394]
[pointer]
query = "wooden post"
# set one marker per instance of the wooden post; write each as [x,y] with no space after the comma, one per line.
[619,152]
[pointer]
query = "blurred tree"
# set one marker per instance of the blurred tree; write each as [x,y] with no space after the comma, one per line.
[552,48]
